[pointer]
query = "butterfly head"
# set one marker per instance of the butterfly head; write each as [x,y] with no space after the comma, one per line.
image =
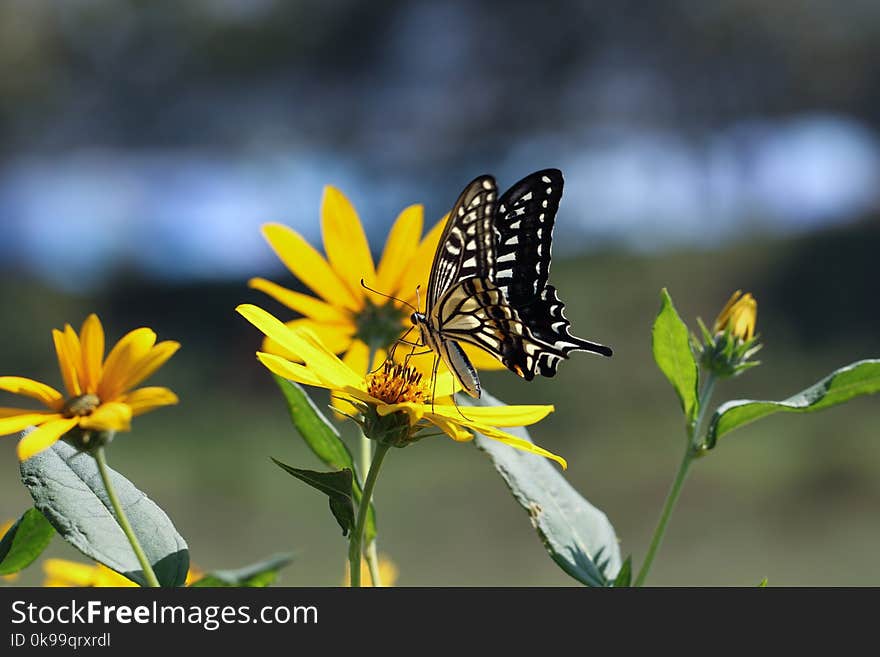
[417,318]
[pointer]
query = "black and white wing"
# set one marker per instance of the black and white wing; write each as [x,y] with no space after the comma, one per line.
[524,232]
[476,311]
[467,245]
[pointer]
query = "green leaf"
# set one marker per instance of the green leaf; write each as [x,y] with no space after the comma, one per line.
[335,485]
[861,378]
[577,535]
[672,352]
[67,488]
[624,575]
[763,584]
[321,436]
[253,576]
[323,439]
[24,542]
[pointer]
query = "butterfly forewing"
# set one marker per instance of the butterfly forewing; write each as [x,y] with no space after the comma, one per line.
[467,245]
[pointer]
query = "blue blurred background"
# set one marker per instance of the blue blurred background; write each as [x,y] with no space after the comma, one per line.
[706,147]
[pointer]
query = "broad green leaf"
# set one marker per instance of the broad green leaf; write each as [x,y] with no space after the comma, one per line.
[577,535]
[255,575]
[335,485]
[323,439]
[672,352]
[624,576]
[321,436]
[854,380]
[67,489]
[24,542]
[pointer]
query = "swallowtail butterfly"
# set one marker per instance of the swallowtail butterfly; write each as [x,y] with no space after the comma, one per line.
[489,282]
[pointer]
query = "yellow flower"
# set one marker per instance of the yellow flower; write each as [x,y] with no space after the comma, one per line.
[61,572]
[400,395]
[387,573]
[99,395]
[739,316]
[347,318]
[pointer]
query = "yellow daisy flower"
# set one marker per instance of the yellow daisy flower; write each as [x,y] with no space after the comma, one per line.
[99,395]
[395,392]
[739,315]
[347,318]
[61,572]
[387,573]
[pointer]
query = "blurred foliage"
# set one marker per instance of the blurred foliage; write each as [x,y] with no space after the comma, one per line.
[788,497]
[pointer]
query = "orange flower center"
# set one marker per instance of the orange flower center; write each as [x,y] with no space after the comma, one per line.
[395,384]
[81,405]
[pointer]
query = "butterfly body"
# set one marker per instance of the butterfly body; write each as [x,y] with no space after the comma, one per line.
[489,282]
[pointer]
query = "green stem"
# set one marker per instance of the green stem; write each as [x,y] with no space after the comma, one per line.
[675,490]
[354,547]
[366,458]
[149,575]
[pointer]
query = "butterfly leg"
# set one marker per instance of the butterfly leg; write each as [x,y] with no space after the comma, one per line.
[434,380]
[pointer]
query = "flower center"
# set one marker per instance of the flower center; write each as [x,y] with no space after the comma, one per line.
[80,406]
[379,326]
[395,384]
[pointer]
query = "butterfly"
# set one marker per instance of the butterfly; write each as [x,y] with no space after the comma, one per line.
[489,287]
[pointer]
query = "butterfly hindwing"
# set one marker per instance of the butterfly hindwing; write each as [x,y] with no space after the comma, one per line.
[524,233]
[476,311]
[524,238]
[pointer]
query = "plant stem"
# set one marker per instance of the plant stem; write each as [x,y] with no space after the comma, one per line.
[693,432]
[371,551]
[354,547]
[366,458]
[122,519]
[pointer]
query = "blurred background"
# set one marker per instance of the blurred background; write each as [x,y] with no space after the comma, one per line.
[706,147]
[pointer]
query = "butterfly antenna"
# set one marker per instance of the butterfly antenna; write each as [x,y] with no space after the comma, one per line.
[387,296]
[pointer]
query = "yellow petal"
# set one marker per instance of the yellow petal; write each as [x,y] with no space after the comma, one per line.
[309,266]
[62,572]
[112,416]
[481,359]
[400,248]
[304,304]
[450,428]
[321,361]
[144,368]
[66,364]
[19,385]
[143,400]
[291,371]
[92,340]
[335,337]
[13,420]
[496,416]
[517,443]
[131,349]
[44,436]
[345,242]
[357,356]
[415,411]
[420,267]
